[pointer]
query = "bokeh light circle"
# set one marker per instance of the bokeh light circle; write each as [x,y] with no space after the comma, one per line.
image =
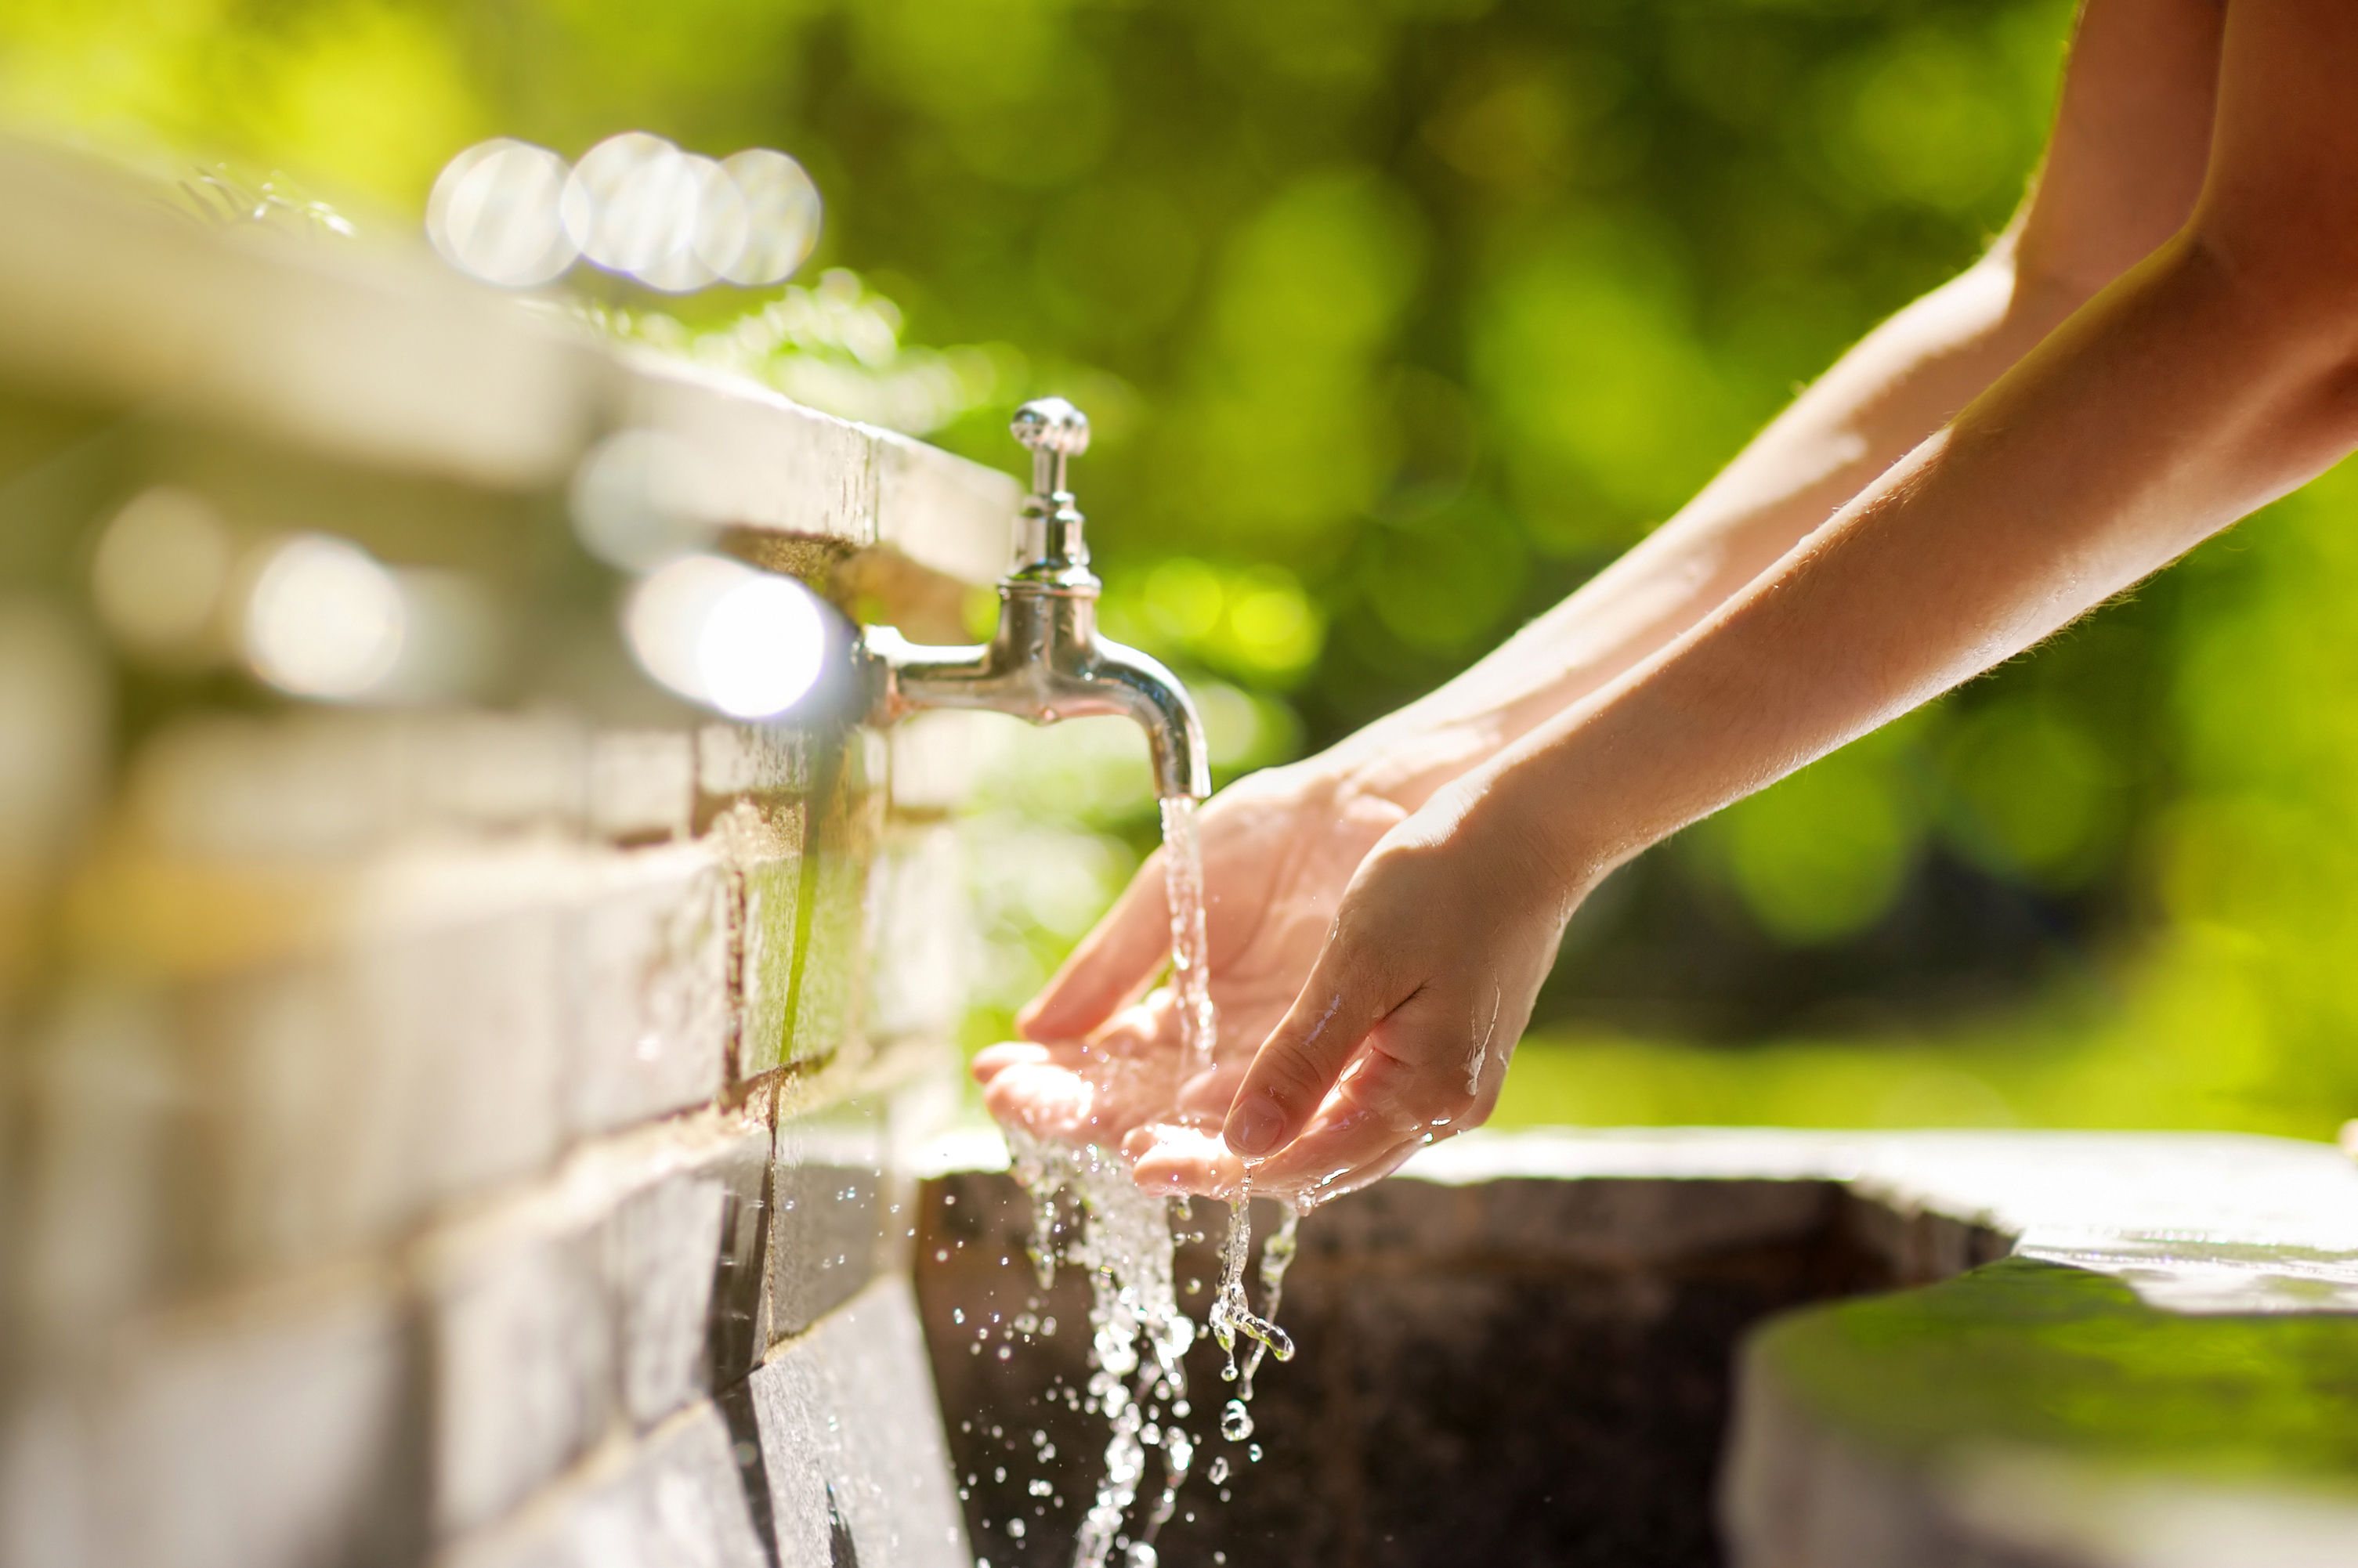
[495,214]
[631,202]
[514,214]
[713,630]
[782,217]
[324,619]
[760,647]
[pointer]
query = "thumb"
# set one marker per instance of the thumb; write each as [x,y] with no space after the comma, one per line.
[1351,989]
[1113,961]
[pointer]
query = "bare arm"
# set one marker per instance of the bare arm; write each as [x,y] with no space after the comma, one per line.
[2121,174]
[2218,373]
[2132,133]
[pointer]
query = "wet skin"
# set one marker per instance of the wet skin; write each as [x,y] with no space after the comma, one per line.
[2166,339]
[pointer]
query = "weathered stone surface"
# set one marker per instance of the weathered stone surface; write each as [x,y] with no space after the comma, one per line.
[465,1024]
[672,1500]
[762,847]
[733,760]
[920,936]
[852,1441]
[524,1348]
[830,975]
[641,786]
[86,1239]
[583,1307]
[661,1244]
[337,785]
[268,1431]
[828,1176]
[650,988]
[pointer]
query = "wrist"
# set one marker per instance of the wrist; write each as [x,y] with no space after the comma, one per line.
[1404,760]
[1513,816]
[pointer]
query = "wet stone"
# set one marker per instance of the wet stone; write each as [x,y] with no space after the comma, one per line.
[851,1443]
[650,988]
[674,1498]
[827,1211]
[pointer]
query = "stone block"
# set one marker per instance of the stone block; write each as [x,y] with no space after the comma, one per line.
[266,1431]
[524,1342]
[737,760]
[672,1500]
[1639,1223]
[769,913]
[468,1021]
[661,1243]
[762,844]
[418,1059]
[919,938]
[337,785]
[588,1305]
[85,1236]
[831,971]
[736,1334]
[641,786]
[494,773]
[829,1174]
[830,979]
[852,1446]
[649,987]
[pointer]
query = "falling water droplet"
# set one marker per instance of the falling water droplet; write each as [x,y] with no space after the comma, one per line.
[1235,1421]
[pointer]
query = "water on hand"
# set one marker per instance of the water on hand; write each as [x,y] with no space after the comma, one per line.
[1125,1238]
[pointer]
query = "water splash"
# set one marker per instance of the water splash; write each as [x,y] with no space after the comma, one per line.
[1088,1211]
[1138,1335]
[1232,1313]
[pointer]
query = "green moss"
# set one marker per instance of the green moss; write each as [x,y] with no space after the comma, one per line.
[2033,1354]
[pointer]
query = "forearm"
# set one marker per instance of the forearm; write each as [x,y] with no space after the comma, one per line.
[2181,399]
[1900,383]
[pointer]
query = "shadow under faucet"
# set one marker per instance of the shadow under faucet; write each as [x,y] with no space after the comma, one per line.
[1045,662]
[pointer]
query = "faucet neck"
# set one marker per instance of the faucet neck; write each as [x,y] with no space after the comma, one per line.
[1051,548]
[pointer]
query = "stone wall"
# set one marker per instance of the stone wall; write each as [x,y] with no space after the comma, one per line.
[509,1171]
[460,1114]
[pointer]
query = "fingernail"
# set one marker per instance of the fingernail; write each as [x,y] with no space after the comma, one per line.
[1253,1126]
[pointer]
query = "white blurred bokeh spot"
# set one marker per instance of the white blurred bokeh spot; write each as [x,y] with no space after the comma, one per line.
[517,215]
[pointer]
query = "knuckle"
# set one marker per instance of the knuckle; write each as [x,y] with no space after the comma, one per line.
[1293,1078]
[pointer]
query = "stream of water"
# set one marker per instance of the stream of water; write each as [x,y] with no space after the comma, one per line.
[1127,1239]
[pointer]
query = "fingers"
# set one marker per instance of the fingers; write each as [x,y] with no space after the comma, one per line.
[992,1060]
[1044,1097]
[1350,990]
[1110,965]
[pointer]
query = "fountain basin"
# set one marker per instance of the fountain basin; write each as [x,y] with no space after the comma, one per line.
[1728,1346]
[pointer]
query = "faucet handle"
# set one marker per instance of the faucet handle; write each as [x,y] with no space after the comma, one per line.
[1056,431]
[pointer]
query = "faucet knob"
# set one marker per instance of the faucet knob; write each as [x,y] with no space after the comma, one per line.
[1056,431]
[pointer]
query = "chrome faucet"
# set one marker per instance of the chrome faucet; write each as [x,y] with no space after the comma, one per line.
[1046,661]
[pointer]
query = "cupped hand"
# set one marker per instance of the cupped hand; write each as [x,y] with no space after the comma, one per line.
[1100,1066]
[1401,1030]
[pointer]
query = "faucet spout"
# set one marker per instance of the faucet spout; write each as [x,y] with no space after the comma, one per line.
[1045,661]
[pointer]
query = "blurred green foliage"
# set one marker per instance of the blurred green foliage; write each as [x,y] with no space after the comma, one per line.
[1397,319]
